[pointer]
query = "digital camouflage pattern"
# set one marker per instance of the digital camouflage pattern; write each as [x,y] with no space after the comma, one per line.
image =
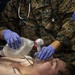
[48,19]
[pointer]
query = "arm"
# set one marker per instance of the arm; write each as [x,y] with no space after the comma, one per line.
[9,22]
[5,18]
[56,45]
[1,37]
[48,51]
[67,6]
[65,37]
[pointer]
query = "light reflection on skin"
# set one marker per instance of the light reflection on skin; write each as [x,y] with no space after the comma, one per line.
[49,67]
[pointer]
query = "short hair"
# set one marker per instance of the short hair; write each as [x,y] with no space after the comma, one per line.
[69,70]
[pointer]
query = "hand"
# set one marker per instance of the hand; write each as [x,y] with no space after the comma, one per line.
[12,38]
[73,16]
[45,52]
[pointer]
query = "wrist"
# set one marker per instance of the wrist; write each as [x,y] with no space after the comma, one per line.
[56,45]
[52,48]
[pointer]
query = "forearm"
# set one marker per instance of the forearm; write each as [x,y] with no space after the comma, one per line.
[56,45]
[1,37]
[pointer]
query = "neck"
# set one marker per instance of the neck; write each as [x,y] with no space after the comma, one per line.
[29,70]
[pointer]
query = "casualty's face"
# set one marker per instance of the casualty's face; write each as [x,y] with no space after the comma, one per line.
[50,67]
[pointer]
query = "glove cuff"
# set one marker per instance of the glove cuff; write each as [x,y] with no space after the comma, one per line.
[53,50]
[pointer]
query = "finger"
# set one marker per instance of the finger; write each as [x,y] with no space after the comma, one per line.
[9,44]
[19,39]
[43,48]
[16,43]
[35,54]
[51,53]
[39,54]
[12,43]
[43,53]
[47,55]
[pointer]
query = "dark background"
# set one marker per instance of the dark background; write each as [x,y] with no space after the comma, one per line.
[3,4]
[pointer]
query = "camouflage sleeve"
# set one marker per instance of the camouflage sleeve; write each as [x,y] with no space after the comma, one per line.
[67,6]
[67,34]
[9,14]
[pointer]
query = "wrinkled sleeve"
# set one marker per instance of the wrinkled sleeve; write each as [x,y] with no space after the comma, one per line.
[67,34]
[67,6]
[8,15]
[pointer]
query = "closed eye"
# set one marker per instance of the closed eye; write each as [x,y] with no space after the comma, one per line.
[54,64]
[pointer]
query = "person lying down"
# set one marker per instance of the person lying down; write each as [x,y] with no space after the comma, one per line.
[28,66]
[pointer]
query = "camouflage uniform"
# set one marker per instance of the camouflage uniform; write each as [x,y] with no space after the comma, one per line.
[47,19]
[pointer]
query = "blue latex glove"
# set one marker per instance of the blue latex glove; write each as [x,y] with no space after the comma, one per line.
[45,52]
[12,38]
[73,16]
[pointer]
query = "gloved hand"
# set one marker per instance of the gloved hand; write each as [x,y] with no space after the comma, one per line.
[73,16]
[45,52]
[12,38]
